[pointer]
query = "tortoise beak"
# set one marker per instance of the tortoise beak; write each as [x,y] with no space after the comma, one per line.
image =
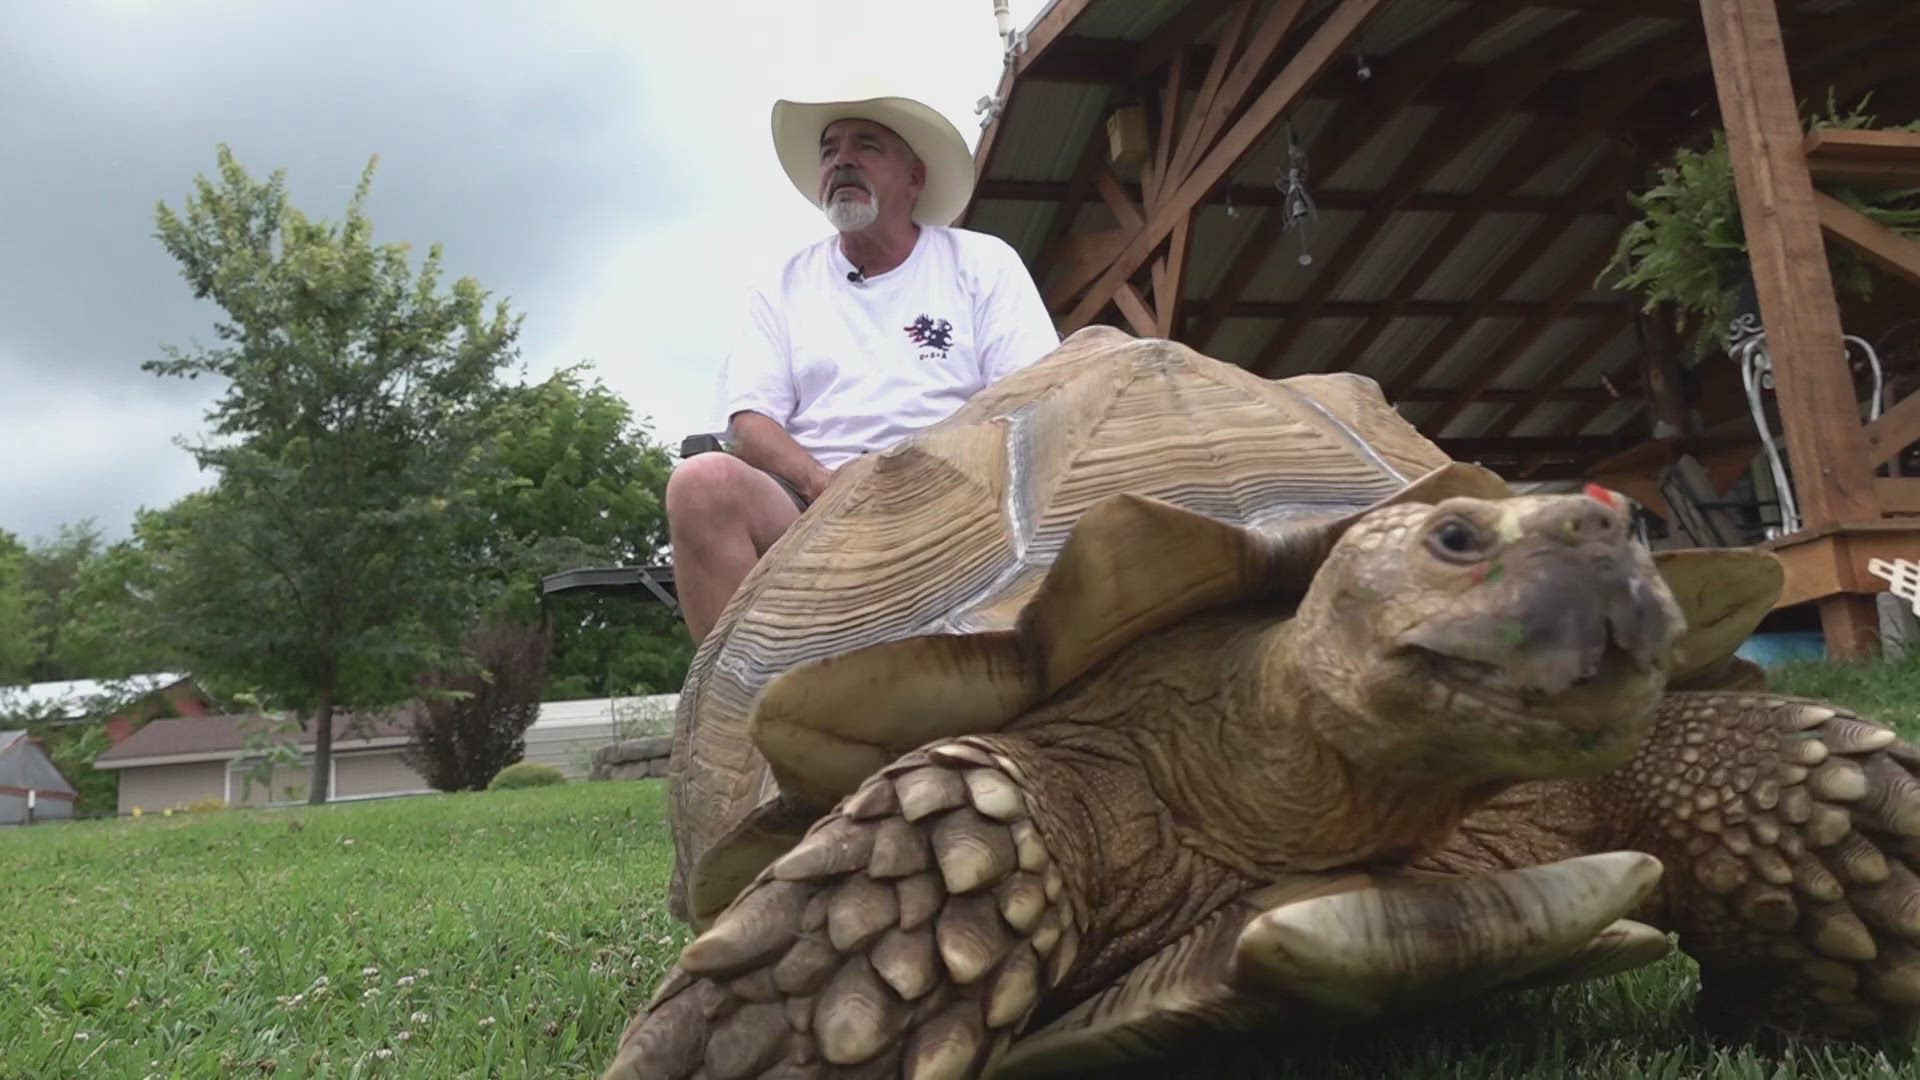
[1561,615]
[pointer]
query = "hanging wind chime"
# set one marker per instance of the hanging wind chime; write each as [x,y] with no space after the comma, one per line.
[1297,207]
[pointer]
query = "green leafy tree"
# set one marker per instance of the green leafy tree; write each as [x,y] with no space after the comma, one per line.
[1688,247]
[322,571]
[50,571]
[109,623]
[17,648]
[72,748]
[68,609]
[579,482]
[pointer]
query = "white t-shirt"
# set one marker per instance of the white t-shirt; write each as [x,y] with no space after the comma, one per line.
[852,367]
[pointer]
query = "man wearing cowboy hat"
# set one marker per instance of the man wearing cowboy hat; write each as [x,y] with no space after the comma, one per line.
[862,338]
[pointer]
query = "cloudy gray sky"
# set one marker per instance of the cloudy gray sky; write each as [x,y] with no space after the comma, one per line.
[603,164]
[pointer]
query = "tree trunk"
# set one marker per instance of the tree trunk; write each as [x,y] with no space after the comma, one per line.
[317,786]
[1665,374]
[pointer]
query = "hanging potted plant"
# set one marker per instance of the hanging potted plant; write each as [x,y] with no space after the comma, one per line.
[1687,247]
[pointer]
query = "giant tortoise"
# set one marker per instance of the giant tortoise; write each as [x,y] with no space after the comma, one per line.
[1144,697]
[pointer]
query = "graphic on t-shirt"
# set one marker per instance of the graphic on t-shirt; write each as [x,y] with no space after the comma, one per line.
[932,335]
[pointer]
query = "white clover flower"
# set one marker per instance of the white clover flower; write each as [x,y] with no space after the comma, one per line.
[419,1017]
[369,972]
[487,1021]
[404,980]
[404,1036]
[383,1053]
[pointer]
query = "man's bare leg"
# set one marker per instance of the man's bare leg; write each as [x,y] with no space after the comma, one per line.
[722,514]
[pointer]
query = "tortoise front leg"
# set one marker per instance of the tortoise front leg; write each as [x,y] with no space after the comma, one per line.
[910,933]
[1790,830]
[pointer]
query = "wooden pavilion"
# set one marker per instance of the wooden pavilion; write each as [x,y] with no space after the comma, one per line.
[1426,192]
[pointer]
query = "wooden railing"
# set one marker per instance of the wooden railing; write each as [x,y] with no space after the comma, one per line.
[1830,559]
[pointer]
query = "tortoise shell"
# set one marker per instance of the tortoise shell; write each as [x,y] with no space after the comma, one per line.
[931,590]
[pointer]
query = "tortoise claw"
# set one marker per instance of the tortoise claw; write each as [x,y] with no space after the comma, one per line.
[1377,951]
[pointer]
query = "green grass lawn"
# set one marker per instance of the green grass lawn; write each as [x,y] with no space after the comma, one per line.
[478,935]
[512,933]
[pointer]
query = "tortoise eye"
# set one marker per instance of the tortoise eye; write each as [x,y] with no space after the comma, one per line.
[1457,540]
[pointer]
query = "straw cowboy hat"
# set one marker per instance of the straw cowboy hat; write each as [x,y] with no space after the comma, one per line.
[796,138]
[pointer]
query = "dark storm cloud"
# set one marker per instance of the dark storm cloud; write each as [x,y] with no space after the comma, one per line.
[506,141]
[603,164]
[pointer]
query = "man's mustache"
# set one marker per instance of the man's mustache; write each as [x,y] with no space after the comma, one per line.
[846,174]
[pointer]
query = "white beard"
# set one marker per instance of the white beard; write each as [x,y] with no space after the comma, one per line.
[852,215]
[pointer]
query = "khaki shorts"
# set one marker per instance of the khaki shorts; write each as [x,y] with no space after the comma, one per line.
[793,493]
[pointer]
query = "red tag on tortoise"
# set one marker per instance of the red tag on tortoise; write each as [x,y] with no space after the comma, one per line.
[1602,495]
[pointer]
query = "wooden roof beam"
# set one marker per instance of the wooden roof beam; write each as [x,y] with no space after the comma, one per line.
[1513,416]
[1061,252]
[1245,196]
[1881,246]
[1093,154]
[1603,178]
[1334,34]
[1686,10]
[1856,73]
[1118,62]
[1895,430]
[1164,119]
[1865,158]
[1586,447]
[1347,139]
[1354,121]
[1415,309]
[1225,90]
[1519,164]
[1551,385]
[1439,144]
[1822,42]
[1252,254]
[1516,168]
[1610,92]
[1175,36]
[1585,395]
[1264,43]
[1108,63]
[1225,81]
[1577,283]
[1045,33]
[1521,260]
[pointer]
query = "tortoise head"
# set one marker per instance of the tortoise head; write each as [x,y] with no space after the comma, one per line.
[1505,639]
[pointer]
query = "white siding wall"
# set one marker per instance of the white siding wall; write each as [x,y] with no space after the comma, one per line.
[287,784]
[13,809]
[565,736]
[568,749]
[156,787]
[568,732]
[377,772]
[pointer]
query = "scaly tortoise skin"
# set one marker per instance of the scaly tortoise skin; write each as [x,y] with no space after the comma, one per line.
[1037,784]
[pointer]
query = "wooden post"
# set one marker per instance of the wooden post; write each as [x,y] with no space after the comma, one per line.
[1818,406]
